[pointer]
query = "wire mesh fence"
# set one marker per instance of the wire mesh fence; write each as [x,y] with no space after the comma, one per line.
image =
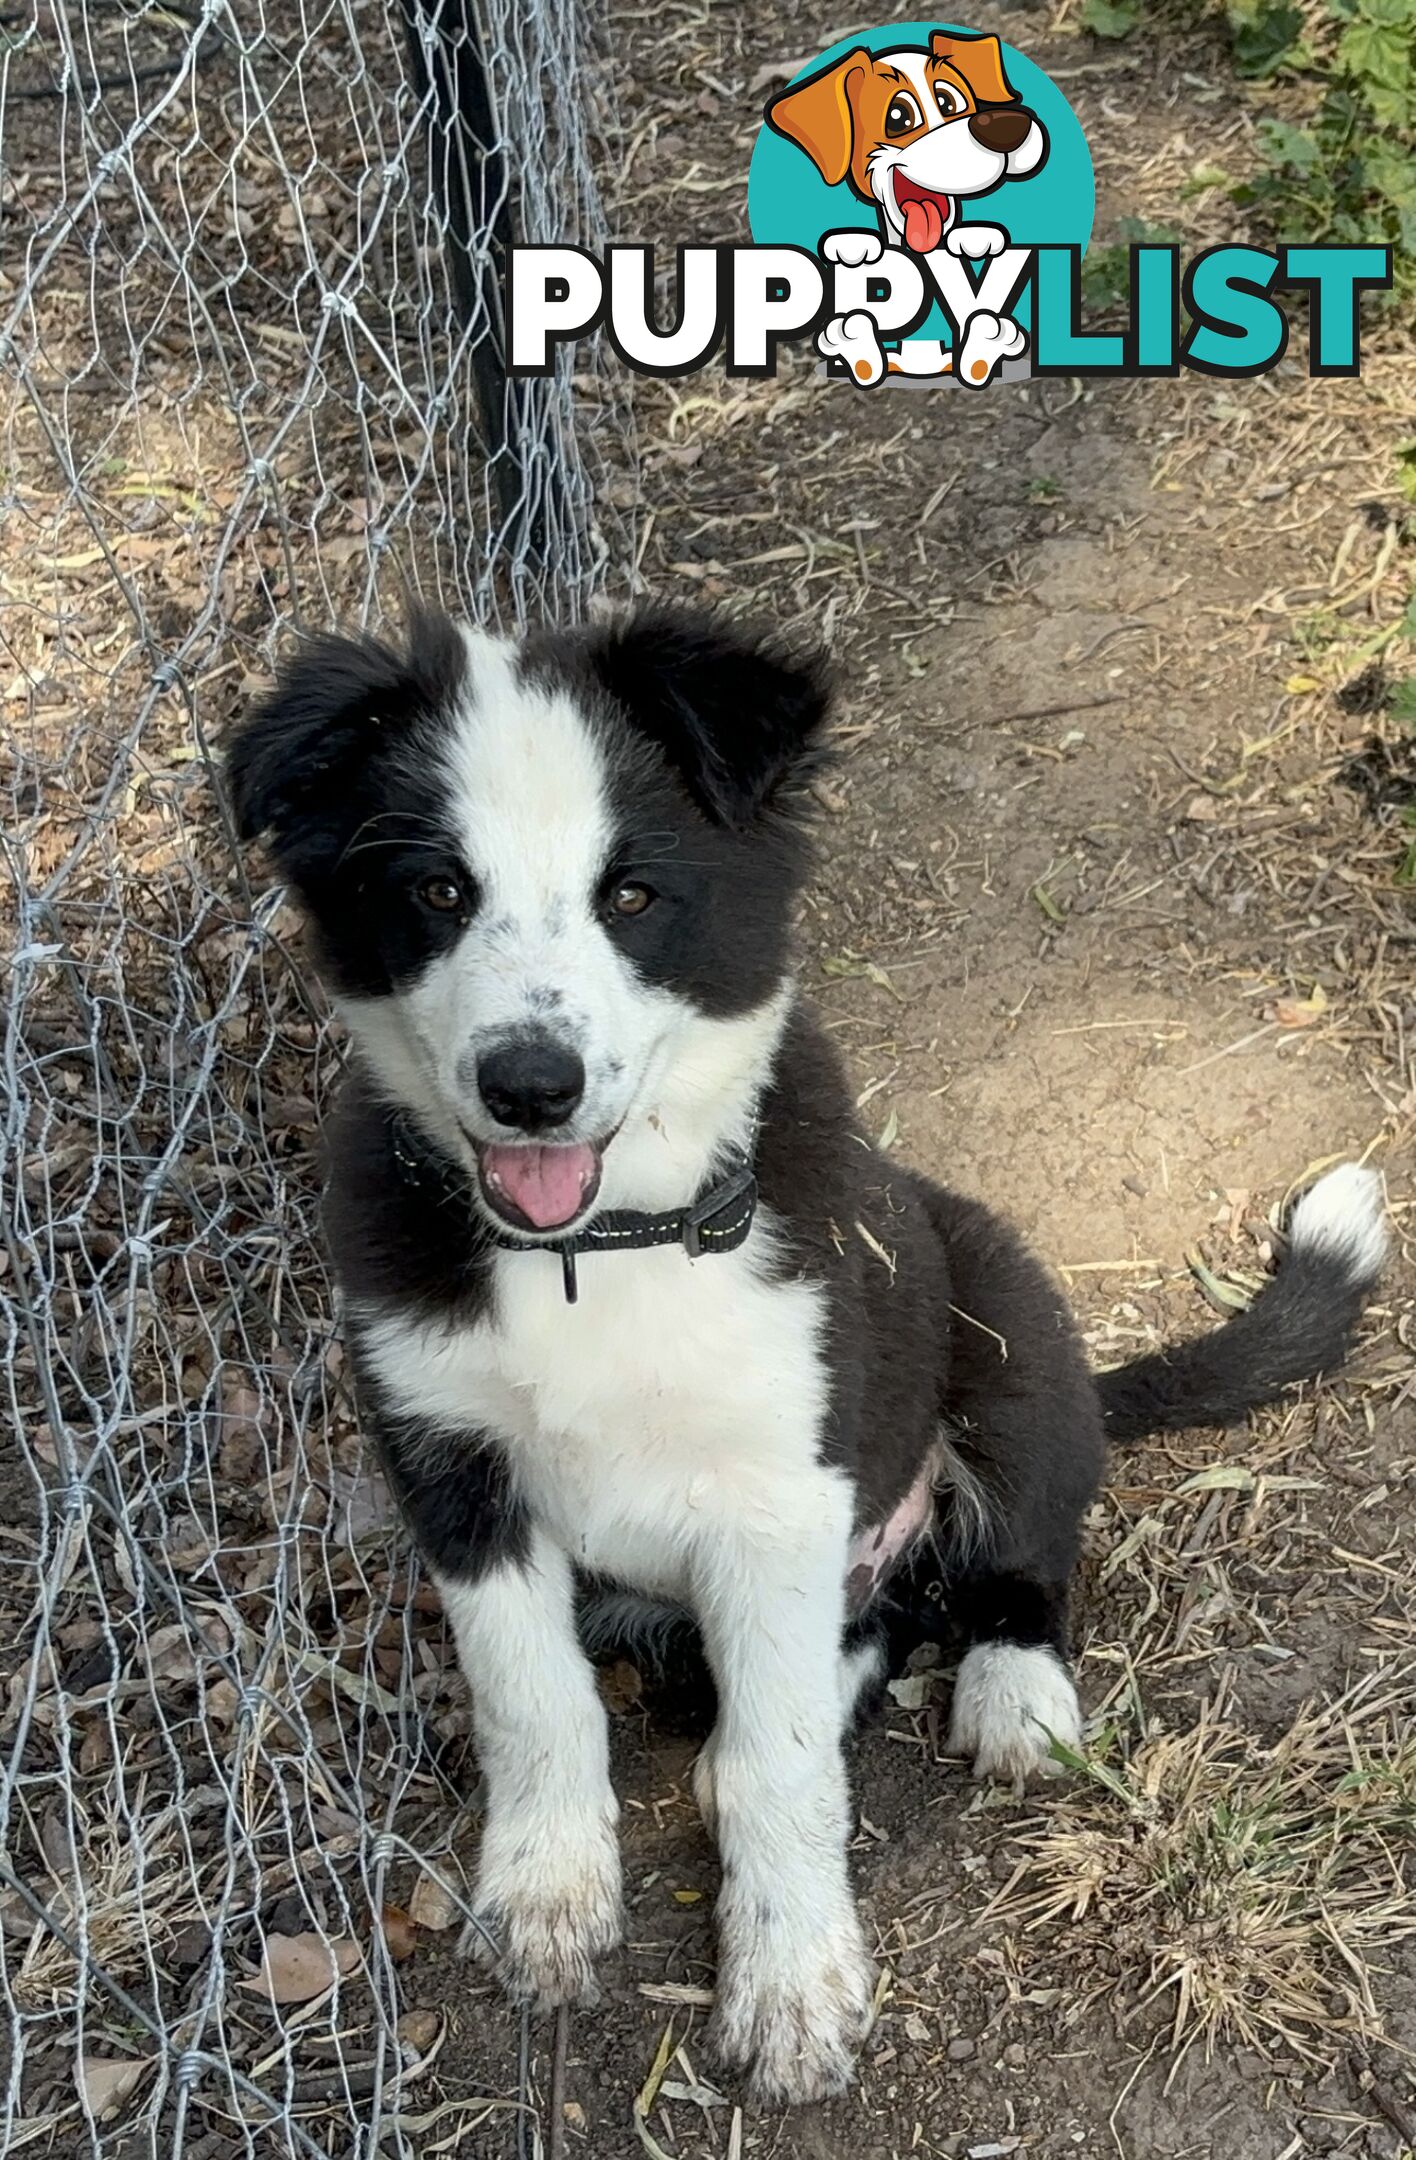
[249,277]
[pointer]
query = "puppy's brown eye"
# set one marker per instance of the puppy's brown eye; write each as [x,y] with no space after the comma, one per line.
[951,102]
[902,114]
[630,899]
[441,893]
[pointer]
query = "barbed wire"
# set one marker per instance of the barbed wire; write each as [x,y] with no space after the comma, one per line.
[249,274]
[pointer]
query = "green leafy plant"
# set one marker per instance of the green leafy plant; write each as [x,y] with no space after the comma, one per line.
[1406,874]
[1349,173]
[1406,468]
[1111,18]
[1106,269]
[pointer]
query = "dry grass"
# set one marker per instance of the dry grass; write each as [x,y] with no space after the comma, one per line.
[119,1884]
[1250,1891]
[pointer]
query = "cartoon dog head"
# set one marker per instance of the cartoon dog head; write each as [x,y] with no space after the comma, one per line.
[914,131]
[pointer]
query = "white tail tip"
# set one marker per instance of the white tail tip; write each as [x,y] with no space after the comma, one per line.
[1343,1218]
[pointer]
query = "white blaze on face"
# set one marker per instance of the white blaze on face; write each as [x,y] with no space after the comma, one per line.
[947,161]
[524,782]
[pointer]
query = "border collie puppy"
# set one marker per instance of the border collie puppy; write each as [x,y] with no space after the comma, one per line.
[635,1311]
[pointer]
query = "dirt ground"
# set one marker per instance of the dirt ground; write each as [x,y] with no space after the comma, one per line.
[1107,922]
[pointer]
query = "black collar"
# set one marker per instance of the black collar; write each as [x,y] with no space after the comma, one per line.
[717,1221]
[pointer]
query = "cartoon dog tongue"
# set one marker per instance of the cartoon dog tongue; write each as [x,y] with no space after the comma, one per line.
[924,224]
[546,1185]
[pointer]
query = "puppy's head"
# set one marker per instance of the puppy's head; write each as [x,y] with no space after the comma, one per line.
[537,872]
[914,131]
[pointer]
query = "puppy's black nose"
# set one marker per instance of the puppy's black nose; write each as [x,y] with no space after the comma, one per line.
[531,1083]
[1001,129]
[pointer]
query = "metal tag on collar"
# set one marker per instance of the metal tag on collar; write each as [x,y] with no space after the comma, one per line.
[713,1203]
[572,1288]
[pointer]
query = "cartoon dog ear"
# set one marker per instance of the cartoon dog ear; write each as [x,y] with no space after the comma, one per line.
[817,115]
[291,765]
[738,721]
[980,61]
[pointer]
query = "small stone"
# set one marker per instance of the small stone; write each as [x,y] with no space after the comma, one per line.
[961,2050]
[418,2029]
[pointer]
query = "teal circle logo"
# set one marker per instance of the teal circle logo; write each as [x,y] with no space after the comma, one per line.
[946,151]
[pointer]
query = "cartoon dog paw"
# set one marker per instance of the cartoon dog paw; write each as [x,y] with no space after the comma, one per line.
[853,249]
[988,341]
[853,339]
[975,241]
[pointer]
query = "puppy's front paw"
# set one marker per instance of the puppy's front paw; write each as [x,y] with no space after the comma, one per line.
[548,1904]
[1010,1704]
[793,2001]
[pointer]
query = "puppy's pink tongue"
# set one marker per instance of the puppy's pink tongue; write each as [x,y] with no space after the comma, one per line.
[924,226]
[548,1184]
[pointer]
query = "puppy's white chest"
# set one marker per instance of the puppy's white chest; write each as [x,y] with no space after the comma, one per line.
[676,1401]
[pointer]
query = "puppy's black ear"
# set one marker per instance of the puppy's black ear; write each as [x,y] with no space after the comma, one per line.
[293,762]
[740,722]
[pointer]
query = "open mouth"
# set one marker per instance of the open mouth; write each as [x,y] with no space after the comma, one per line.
[926,214]
[532,1185]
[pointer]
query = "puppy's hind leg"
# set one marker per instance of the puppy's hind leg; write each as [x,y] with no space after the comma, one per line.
[1022,1410]
[1015,1695]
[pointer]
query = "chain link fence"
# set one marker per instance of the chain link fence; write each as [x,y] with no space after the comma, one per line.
[250,264]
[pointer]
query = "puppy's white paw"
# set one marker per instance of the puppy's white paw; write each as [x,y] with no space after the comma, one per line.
[793,2000]
[854,340]
[975,242]
[1010,1704]
[988,340]
[853,249]
[548,1896]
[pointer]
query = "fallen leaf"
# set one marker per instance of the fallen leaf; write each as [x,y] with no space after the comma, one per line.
[1301,1012]
[1302,685]
[912,1690]
[1226,1297]
[106,2082]
[296,1968]
[1237,1198]
[432,1904]
[171,1652]
[688,1897]
[850,965]
[1219,1477]
[398,1932]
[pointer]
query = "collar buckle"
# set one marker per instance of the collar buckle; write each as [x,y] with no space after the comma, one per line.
[705,1211]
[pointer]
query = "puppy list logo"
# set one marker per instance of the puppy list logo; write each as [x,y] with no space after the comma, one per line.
[920,200]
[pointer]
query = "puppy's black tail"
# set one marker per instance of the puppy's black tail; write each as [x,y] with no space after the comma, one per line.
[1299,1326]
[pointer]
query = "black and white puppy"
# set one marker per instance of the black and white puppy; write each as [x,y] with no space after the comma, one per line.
[552,886]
